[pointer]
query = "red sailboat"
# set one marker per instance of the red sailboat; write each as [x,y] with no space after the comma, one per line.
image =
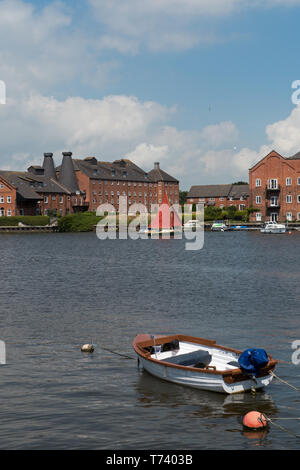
[166,220]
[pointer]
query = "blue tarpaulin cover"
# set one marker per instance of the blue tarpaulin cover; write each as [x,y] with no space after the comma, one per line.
[252,360]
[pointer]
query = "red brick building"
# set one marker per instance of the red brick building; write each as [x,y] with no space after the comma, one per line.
[8,198]
[220,195]
[103,182]
[275,188]
[80,185]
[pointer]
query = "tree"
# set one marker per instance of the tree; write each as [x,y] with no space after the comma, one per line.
[182,197]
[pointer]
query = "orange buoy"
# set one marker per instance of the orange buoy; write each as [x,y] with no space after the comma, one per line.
[255,420]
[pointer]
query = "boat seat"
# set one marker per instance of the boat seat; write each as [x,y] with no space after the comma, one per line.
[190,359]
[233,363]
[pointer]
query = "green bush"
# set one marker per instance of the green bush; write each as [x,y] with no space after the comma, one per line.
[79,222]
[33,220]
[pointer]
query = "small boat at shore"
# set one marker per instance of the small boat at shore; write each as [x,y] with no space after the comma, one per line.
[273,227]
[219,226]
[192,224]
[200,363]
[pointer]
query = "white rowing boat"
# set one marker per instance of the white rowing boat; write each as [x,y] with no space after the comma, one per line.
[198,363]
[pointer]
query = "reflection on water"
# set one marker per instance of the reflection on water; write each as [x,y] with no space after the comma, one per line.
[60,291]
[152,391]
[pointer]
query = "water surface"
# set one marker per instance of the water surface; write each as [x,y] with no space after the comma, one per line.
[59,291]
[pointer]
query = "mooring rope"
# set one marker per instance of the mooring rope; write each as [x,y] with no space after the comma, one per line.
[117,353]
[284,381]
[281,427]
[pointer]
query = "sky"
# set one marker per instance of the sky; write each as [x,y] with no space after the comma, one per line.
[202,86]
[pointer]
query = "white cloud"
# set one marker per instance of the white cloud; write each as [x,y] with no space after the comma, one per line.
[42,49]
[171,24]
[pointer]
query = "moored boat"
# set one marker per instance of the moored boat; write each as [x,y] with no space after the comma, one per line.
[200,363]
[219,226]
[273,227]
[192,224]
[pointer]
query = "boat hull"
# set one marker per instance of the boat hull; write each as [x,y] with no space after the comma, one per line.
[211,382]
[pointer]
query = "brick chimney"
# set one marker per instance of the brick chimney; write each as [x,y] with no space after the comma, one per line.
[48,165]
[67,175]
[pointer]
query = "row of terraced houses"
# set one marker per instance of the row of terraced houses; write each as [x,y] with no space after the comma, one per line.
[273,190]
[82,184]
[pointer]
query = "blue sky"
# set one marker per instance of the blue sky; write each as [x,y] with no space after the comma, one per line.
[203,86]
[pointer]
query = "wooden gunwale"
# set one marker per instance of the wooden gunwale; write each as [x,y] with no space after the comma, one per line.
[230,376]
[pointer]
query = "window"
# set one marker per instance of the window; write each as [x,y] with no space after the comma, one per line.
[288,181]
[298,216]
[258,182]
[298,198]
[9,212]
[273,184]
[211,198]
[61,199]
[241,207]
[93,182]
[258,199]
[8,199]
[2,185]
[46,199]
[289,216]
[298,181]
[53,198]
[1,198]
[289,198]
[221,199]
[258,216]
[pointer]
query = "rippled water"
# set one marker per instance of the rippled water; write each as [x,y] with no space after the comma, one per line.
[59,291]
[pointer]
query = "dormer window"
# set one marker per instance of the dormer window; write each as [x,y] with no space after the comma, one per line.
[113,172]
[124,174]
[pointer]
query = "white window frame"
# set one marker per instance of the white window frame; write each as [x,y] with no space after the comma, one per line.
[258,216]
[288,181]
[258,199]
[289,216]
[273,183]
[289,199]
[258,182]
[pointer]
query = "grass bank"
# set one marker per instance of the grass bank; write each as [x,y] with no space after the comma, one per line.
[32,220]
